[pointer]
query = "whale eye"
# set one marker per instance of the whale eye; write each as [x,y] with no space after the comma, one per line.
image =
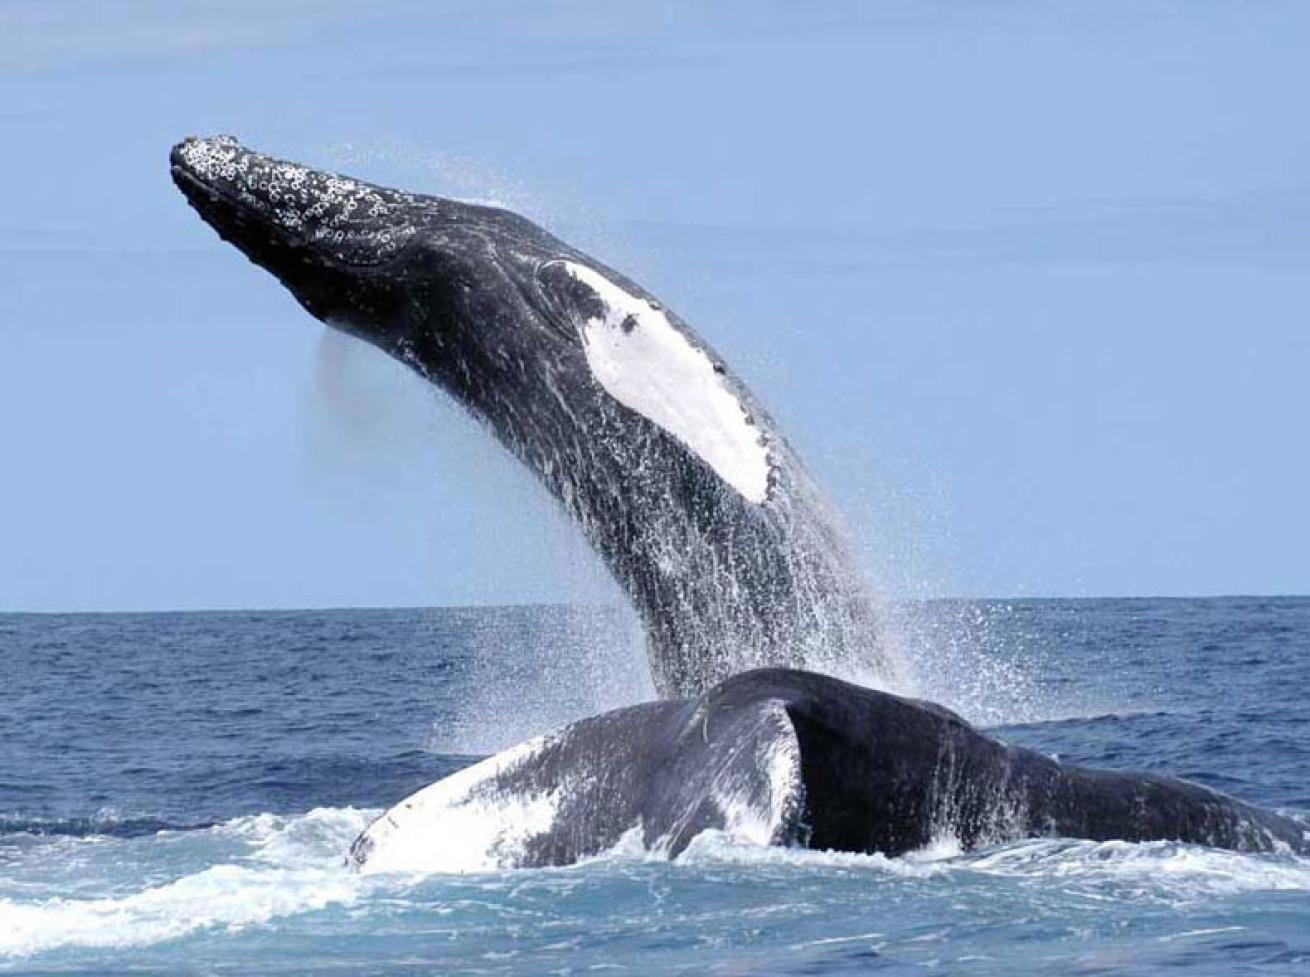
[649,365]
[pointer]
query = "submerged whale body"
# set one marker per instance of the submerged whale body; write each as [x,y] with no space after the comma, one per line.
[785,757]
[674,473]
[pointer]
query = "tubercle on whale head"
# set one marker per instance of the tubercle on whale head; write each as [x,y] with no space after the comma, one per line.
[357,256]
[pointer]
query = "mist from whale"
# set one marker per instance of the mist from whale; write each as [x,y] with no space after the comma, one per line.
[714,529]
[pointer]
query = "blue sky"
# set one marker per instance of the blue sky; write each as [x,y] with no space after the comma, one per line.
[1027,287]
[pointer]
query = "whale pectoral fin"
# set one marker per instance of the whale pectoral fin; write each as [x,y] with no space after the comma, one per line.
[642,359]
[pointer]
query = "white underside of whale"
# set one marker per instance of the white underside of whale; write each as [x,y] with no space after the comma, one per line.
[649,366]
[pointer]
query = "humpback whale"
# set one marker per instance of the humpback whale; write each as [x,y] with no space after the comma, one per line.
[675,474]
[786,757]
[712,526]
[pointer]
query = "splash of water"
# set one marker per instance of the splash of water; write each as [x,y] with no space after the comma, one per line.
[526,675]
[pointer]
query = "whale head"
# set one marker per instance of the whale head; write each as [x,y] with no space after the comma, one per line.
[367,259]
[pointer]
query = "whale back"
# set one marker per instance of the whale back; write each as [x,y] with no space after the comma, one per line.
[785,757]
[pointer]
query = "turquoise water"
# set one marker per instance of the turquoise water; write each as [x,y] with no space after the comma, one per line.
[177,792]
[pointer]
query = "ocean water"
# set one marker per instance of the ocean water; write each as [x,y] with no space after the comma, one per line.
[177,793]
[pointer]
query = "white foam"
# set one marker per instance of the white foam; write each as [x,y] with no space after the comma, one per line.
[277,867]
[1159,871]
[463,823]
[649,366]
[1165,870]
[226,895]
[294,866]
[712,848]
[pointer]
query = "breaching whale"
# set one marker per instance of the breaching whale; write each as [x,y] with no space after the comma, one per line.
[786,757]
[674,473]
[710,523]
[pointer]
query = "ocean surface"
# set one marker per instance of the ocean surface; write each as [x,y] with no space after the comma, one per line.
[177,793]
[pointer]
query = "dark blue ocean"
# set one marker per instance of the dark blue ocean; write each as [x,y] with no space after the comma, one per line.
[177,793]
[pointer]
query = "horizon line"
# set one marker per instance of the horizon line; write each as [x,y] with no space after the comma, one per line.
[525,605]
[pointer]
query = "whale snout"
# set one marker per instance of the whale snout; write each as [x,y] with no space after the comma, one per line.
[197,152]
[257,201]
[208,170]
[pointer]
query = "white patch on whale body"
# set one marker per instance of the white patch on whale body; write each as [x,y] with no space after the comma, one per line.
[649,366]
[462,823]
